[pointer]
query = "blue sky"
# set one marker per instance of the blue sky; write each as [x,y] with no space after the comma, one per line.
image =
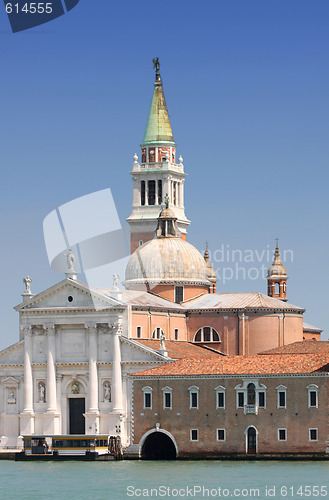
[246,84]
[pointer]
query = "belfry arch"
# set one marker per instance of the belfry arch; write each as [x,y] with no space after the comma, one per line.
[158,445]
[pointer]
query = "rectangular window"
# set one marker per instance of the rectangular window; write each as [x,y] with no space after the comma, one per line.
[220,434]
[282,434]
[159,192]
[139,332]
[220,399]
[240,399]
[176,333]
[194,399]
[194,435]
[179,293]
[147,400]
[261,399]
[142,192]
[313,399]
[151,186]
[282,399]
[167,400]
[313,434]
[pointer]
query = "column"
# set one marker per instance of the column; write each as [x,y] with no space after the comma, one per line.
[93,375]
[281,331]
[51,369]
[28,376]
[225,335]
[27,416]
[116,368]
[242,333]
[182,193]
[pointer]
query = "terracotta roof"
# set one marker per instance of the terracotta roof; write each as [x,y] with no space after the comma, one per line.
[179,349]
[243,365]
[302,347]
[238,301]
[311,328]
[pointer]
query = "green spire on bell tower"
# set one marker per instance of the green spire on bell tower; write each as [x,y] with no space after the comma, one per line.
[158,128]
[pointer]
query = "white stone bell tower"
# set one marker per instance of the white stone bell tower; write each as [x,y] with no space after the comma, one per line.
[157,174]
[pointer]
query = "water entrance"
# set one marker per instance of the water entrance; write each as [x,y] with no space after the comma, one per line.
[158,446]
[251,441]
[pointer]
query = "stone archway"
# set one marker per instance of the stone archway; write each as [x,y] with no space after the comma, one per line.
[158,445]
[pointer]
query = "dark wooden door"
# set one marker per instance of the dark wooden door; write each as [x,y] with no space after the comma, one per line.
[77,419]
[252,441]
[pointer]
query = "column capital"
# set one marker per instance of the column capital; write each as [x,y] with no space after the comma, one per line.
[50,328]
[26,330]
[91,327]
[116,327]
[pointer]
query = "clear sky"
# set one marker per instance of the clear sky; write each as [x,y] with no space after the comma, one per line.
[246,84]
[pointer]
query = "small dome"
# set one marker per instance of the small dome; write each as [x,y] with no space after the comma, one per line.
[277,269]
[166,261]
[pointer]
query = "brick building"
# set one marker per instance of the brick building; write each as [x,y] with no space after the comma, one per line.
[274,403]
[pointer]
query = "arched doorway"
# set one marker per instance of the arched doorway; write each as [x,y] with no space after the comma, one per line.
[251,440]
[158,446]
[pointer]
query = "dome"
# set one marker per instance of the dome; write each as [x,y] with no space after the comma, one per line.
[166,261]
[277,269]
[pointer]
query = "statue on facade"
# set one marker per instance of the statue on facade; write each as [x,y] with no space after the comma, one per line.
[42,393]
[167,200]
[107,391]
[70,259]
[116,278]
[27,282]
[162,340]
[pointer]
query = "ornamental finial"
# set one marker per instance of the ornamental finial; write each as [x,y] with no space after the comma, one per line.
[156,66]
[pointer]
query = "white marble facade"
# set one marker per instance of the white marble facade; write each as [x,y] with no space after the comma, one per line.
[73,344]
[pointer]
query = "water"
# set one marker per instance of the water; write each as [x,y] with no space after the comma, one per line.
[134,479]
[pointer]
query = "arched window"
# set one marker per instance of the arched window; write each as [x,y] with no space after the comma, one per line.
[157,332]
[206,334]
[251,394]
[277,288]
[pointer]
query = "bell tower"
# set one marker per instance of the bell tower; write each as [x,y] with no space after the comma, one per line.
[157,175]
[277,277]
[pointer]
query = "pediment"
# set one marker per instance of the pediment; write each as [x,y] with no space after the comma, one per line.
[13,354]
[69,294]
[10,380]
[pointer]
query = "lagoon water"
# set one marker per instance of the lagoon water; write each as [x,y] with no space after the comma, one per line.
[166,479]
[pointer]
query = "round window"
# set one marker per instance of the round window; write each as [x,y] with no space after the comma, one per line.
[70,298]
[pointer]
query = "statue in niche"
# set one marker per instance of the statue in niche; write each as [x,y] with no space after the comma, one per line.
[107,391]
[42,393]
[11,397]
[75,387]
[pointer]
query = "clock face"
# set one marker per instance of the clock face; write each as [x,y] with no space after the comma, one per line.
[152,152]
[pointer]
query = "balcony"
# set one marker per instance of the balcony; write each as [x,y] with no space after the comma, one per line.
[250,409]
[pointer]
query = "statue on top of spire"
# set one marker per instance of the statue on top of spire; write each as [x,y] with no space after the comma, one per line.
[156,66]
[167,200]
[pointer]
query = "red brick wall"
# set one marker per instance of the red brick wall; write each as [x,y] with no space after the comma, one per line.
[297,418]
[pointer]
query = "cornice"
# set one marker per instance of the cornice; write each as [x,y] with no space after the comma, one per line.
[221,377]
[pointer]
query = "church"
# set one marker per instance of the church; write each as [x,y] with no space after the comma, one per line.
[70,371]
